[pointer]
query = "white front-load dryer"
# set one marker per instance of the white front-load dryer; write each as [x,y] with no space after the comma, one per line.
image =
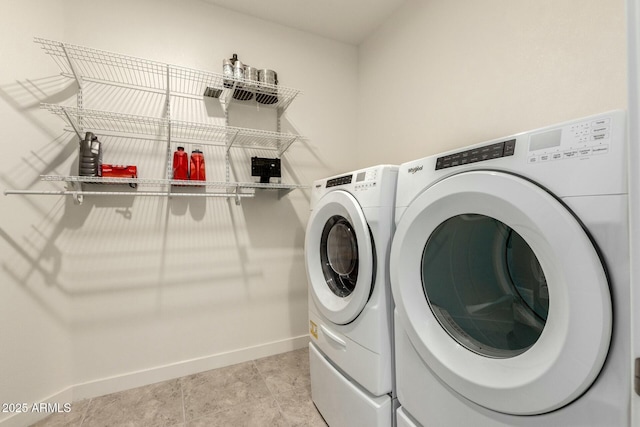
[350,306]
[510,274]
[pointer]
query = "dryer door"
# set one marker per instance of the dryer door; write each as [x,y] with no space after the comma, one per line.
[339,257]
[501,292]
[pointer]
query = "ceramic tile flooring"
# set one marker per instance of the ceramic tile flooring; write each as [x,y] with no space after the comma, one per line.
[272,391]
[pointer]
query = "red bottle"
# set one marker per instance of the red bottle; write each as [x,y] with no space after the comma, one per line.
[180,164]
[197,166]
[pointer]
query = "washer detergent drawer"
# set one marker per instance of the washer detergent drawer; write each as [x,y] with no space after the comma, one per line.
[341,402]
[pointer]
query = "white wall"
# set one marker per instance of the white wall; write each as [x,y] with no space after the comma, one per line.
[444,74]
[93,300]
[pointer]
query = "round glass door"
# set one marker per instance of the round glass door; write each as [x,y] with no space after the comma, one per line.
[485,286]
[501,292]
[339,256]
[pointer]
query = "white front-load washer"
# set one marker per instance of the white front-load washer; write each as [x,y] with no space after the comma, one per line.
[510,274]
[350,306]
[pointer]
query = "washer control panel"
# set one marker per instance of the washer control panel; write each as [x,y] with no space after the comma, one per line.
[576,140]
[341,180]
[361,180]
[366,179]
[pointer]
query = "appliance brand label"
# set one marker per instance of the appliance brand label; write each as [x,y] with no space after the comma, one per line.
[415,169]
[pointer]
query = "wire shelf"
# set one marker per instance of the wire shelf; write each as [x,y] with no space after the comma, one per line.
[206,134]
[105,67]
[105,121]
[80,193]
[92,65]
[84,63]
[235,186]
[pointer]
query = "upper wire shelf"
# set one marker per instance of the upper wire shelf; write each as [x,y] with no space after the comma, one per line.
[88,64]
[207,134]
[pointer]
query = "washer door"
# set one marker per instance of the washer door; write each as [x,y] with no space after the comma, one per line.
[339,257]
[501,292]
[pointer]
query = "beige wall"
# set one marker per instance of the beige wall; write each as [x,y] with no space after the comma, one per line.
[93,300]
[444,74]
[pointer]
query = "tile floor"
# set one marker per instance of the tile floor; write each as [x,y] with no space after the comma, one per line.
[273,391]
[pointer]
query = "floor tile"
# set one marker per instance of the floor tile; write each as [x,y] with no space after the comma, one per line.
[220,389]
[153,405]
[286,371]
[298,408]
[261,413]
[274,391]
[71,419]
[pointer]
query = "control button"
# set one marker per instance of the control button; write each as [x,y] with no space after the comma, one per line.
[584,151]
[545,157]
[569,154]
[600,129]
[601,122]
[599,136]
[556,156]
[532,159]
[510,147]
[600,149]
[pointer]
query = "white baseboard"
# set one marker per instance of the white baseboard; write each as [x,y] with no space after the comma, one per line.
[141,378]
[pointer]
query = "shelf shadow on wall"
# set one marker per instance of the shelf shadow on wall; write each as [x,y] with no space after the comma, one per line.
[272,223]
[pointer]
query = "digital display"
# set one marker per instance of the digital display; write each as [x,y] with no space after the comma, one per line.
[342,180]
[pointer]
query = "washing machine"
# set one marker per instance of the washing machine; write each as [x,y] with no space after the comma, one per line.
[510,274]
[347,244]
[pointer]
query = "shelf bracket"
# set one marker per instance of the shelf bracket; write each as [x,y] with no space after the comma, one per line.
[76,192]
[232,140]
[73,124]
[76,75]
[284,146]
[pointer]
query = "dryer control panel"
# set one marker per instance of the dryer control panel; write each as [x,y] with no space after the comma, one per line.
[477,154]
[576,140]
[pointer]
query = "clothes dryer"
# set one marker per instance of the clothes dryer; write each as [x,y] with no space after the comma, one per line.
[350,306]
[510,273]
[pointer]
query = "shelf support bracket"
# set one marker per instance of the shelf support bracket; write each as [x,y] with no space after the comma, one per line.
[76,75]
[76,192]
[232,140]
[73,125]
[284,146]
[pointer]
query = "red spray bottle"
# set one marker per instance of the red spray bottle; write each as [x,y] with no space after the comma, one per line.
[180,164]
[197,166]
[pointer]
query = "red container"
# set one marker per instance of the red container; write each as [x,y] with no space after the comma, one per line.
[120,171]
[197,166]
[180,164]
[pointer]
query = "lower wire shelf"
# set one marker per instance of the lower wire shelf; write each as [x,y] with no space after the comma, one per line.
[174,188]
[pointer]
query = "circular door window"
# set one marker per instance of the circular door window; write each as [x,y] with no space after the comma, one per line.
[339,256]
[485,286]
[501,292]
